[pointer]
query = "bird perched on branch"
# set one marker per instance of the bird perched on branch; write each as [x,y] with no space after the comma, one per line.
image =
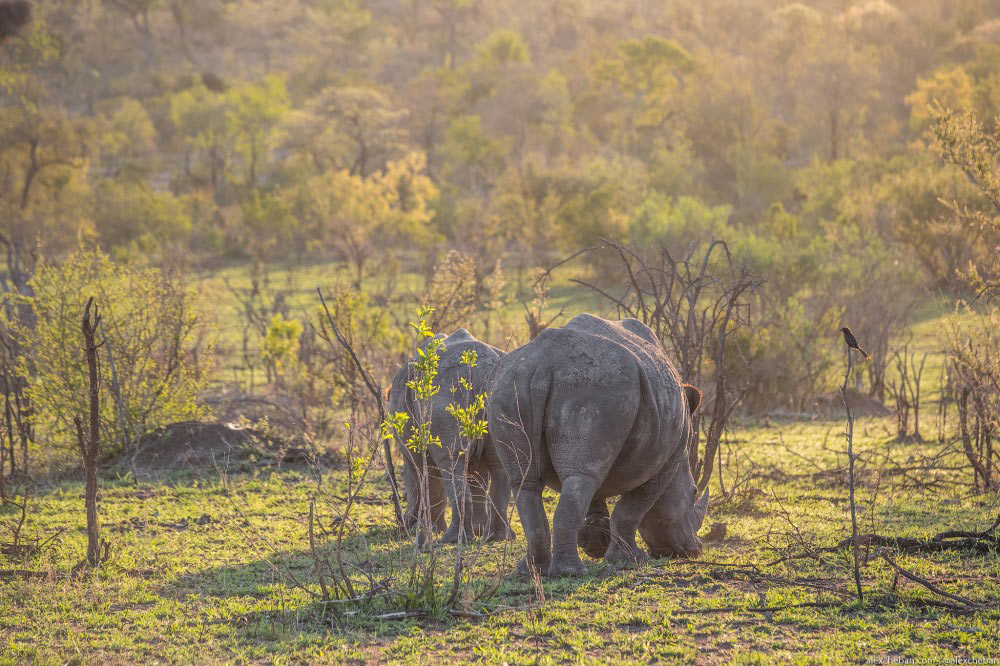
[852,342]
[13,17]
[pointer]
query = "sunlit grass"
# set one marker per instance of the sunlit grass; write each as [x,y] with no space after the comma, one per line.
[185,586]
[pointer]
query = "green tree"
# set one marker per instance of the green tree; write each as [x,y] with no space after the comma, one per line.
[132,217]
[361,216]
[348,127]
[637,93]
[964,141]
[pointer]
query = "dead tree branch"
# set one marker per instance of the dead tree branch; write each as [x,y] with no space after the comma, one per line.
[376,392]
[851,479]
[89,444]
[695,305]
[909,575]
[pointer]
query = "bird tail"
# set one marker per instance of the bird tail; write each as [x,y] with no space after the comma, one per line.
[868,357]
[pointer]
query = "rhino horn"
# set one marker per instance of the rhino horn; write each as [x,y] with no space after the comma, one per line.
[700,510]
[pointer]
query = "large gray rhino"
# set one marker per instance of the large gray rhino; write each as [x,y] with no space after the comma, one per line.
[596,409]
[484,510]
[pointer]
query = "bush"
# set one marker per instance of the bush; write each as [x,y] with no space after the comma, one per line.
[150,330]
[973,343]
[327,375]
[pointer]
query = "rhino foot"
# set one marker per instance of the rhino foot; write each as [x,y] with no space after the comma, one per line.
[560,569]
[626,557]
[595,537]
[523,569]
[505,534]
[451,536]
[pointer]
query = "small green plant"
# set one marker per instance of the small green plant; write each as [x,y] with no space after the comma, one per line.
[281,343]
[471,421]
[422,383]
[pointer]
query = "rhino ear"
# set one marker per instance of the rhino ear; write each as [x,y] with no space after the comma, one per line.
[693,394]
[700,510]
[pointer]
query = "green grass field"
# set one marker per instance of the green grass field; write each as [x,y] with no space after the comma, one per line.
[190,579]
[186,583]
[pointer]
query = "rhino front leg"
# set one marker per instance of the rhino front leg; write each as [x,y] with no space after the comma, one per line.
[457,487]
[574,500]
[629,512]
[479,504]
[422,482]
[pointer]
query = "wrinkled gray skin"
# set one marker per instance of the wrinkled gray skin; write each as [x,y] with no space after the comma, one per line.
[604,414]
[483,483]
[595,536]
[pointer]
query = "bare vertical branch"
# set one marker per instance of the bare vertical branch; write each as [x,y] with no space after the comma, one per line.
[694,305]
[376,392]
[850,474]
[89,444]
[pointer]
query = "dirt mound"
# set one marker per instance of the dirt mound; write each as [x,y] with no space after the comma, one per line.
[206,447]
[831,405]
[230,406]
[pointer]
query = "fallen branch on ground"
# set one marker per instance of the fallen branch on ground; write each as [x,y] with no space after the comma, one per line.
[980,542]
[11,574]
[757,609]
[909,575]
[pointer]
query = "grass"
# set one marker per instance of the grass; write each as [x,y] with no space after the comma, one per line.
[185,585]
[190,582]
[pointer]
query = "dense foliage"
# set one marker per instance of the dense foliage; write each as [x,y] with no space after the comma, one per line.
[477,137]
[256,127]
[153,354]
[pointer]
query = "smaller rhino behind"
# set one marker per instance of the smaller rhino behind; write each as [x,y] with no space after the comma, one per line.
[477,474]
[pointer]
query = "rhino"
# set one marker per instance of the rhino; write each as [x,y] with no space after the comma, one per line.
[595,410]
[477,475]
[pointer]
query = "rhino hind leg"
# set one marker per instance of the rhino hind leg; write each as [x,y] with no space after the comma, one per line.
[595,536]
[536,530]
[574,502]
[496,503]
[628,514]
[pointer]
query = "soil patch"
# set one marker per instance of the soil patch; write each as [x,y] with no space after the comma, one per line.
[199,447]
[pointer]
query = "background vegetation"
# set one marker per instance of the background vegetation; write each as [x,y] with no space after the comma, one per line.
[200,166]
[383,136]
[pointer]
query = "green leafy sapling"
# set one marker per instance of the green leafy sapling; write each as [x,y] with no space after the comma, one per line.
[471,421]
[422,383]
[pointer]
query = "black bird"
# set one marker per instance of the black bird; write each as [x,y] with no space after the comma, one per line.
[13,17]
[852,342]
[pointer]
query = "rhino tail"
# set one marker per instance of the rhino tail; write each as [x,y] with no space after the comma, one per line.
[693,395]
[531,399]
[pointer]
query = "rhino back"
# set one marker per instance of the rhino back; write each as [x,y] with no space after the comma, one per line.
[593,394]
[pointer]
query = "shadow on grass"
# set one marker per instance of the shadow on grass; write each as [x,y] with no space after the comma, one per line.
[391,601]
